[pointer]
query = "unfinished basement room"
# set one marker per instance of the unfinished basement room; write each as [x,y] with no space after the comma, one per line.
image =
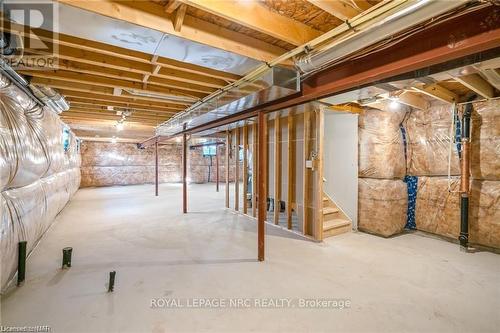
[250,166]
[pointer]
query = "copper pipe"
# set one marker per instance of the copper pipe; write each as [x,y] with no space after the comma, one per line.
[465,167]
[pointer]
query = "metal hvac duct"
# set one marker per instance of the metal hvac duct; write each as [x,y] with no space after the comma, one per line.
[386,26]
[276,83]
[50,98]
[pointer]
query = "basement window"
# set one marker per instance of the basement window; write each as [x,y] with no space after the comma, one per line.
[66,139]
[209,150]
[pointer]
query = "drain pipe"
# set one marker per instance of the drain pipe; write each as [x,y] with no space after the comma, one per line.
[465,176]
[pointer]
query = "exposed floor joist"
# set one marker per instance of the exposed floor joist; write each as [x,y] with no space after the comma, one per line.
[255,16]
[152,15]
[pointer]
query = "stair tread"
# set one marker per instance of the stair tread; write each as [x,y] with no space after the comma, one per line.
[330,210]
[335,223]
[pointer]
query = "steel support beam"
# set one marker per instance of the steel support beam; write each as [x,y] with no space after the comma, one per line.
[427,52]
[156,168]
[184,172]
[262,193]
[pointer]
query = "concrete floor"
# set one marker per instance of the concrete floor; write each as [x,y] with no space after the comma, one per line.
[403,284]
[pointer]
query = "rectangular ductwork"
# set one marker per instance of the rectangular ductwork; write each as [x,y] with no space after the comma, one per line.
[275,83]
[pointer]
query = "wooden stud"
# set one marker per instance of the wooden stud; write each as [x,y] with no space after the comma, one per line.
[306,172]
[318,213]
[277,168]
[254,170]
[262,193]
[237,169]
[245,168]
[179,17]
[172,6]
[291,168]
[336,8]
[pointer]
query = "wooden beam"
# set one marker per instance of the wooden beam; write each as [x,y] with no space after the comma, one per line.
[228,147]
[78,67]
[237,169]
[336,8]
[262,194]
[127,100]
[305,174]
[277,168]
[114,83]
[438,92]
[413,100]
[89,88]
[172,6]
[152,16]
[290,168]
[477,84]
[245,168]
[254,169]
[255,16]
[117,105]
[180,13]
[318,211]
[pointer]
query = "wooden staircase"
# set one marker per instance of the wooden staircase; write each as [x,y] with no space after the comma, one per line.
[335,222]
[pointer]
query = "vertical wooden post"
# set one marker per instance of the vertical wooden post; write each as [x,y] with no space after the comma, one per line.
[291,169]
[255,172]
[318,212]
[277,168]
[237,169]
[184,171]
[228,147]
[156,168]
[262,122]
[245,168]
[217,168]
[305,170]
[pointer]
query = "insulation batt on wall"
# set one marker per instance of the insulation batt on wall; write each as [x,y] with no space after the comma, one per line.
[381,150]
[437,207]
[37,175]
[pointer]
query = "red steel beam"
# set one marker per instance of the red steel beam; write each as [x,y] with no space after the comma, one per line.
[184,171]
[262,192]
[467,34]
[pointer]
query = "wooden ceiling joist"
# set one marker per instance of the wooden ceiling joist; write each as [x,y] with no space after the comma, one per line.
[83,101]
[172,6]
[112,83]
[93,89]
[337,8]
[68,92]
[152,15]
[438,92]
[255,16]
[174,77]
[477,84]
[77,43]
[100,107]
